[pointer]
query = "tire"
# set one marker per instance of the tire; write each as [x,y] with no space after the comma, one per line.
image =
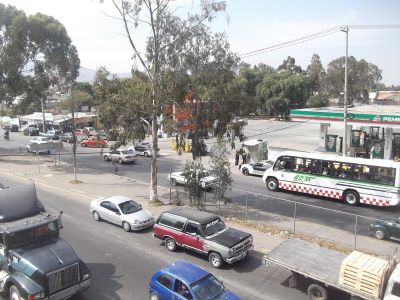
[120,161]
[83,145]
[173,182]
[105,157]
[216,260]
[170,244]
[245,171]
[272,184]
[380,234]
[153,296]
[351,198]
[96,216]
[146,154]
[126,226]
[14,293]
[317,292]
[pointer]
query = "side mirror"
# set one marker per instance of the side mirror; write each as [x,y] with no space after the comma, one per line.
[117,213]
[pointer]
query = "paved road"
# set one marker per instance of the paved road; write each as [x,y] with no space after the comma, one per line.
[122,263]
[284,134]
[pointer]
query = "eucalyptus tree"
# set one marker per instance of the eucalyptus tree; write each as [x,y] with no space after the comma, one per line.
[169,37]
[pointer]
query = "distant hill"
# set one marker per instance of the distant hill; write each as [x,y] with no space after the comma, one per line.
[87,75]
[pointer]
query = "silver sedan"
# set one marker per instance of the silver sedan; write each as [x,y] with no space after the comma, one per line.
[122,211]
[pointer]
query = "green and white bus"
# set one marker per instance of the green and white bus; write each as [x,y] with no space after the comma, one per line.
[353,180]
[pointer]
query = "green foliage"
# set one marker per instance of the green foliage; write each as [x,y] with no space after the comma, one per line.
[221,169]
[193,173]
[319,100]
[316,75]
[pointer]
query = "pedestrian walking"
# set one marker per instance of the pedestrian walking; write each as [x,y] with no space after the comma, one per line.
[244,157]
[237,157]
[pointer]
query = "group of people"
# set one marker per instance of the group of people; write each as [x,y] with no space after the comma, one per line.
[244,155]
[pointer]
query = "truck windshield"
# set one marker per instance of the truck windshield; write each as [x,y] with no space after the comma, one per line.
[208,288]
[213,227]
[32,235]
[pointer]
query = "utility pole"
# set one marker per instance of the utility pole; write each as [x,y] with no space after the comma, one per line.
[71,99]
[43,116]
[345,29]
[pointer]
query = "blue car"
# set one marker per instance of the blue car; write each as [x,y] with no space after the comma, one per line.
[182,280]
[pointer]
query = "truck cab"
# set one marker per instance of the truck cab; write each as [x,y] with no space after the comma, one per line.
[393,286]
[35,262]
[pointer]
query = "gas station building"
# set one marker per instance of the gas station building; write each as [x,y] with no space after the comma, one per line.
[372,130]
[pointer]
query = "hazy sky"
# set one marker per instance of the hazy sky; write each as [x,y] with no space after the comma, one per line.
[249,25]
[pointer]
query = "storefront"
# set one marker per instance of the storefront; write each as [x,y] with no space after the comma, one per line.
[373,130]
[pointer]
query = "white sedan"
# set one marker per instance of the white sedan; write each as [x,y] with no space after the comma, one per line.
[122,211]
[257,168]
[178,178]
[40,140]
[121,156]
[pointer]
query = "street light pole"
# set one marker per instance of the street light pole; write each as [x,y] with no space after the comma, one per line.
[345,29]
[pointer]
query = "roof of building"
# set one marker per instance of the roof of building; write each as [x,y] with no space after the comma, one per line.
[193,214]
[185,270]
[384,95]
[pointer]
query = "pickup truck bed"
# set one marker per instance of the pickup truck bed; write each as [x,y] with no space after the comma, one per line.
[311,261]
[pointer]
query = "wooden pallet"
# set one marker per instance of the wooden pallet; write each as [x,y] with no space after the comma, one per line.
[364,273]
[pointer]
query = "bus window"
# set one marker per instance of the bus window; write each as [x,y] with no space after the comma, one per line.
[299,165]
[283,163]
[316,167]
[385,176]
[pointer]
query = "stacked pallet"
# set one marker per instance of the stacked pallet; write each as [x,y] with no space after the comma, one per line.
[364,273]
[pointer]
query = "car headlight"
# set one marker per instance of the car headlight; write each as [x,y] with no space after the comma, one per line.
[135,222]
[40,295]
[86,276]
[231,250]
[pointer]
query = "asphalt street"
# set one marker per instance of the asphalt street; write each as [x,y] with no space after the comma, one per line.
[122,263]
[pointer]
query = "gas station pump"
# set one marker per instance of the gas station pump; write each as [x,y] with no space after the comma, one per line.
[377,142]
[396,145]
[330,144]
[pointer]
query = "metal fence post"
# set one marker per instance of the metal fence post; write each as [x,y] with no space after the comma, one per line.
[294,218]
[247,193]
[38,163]
[355,233]
[170,195]
[205,199]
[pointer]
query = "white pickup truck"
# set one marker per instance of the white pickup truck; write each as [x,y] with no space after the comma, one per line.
[206,181]
[42,144]
[321,271]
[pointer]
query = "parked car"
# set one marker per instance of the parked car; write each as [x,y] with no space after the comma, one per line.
[144,150]
[90,131]
[12,128]
[184,280]
[206,180]
[121,156]
[80,132]
[257,168]
[122,211]
[94,142]
[31,131]
[386,228]
[40,140]
[67,137]
[204,233]
[52,134]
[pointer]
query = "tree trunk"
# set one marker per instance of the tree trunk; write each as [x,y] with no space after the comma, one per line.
[153,170]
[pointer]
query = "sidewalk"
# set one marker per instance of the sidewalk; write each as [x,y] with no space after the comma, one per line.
[96,184]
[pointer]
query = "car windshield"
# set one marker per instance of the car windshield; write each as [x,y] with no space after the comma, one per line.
[208,288]
[129,207]
[213,227]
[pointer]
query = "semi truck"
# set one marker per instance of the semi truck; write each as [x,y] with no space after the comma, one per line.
[323,272]
[35,262]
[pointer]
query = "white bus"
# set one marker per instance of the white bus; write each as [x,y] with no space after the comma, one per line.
[353,180]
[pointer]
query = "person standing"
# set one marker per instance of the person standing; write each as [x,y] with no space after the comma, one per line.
[237,157]
[244,157]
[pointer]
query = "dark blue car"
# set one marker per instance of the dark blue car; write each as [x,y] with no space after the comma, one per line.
[182,280]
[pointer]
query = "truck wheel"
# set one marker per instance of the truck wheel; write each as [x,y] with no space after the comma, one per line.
[379,233]
[105,157]
[351,197]
[146,154]
[154,296]
[170,244]
[126,226]
[272,184]
[96,216]
[215,260]
[14,293]
[173,182]
[245,171]
[316,292]
[120,161]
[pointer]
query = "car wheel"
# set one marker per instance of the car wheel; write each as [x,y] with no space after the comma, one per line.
[83,145]
[272,184]
[170,244]
[245,171]
[380,234]
[120,161]
[105,157]
[173,182]
[14,293]
[351,198]
[154,296]
[215,260]
[96,216]
[146,154]
[126,226]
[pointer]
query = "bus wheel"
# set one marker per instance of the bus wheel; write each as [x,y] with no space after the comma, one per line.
[272,184]
[317,292]
[351,197]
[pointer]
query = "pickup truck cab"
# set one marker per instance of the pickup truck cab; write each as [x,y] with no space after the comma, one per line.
[206,180]
[204,233]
